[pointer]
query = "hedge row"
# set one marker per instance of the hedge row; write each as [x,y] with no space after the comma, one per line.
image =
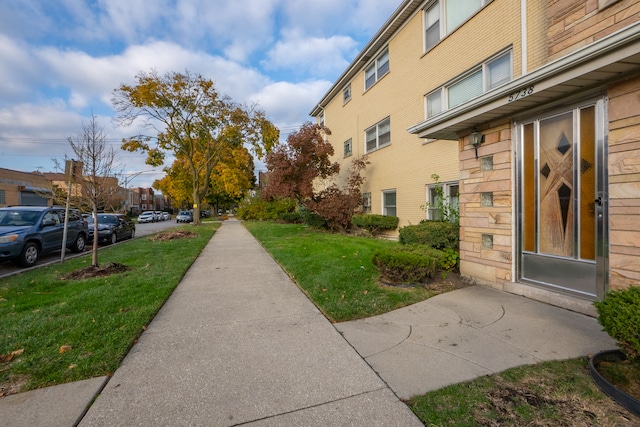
[408,264]
[375,224]
[436,234]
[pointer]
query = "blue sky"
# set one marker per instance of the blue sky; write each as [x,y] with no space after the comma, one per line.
[61,60]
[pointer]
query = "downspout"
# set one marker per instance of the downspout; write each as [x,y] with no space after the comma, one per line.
[523,29]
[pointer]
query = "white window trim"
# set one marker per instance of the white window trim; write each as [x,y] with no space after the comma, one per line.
[376,67]
[444,92]
[384,207]
[447,186]
[346,90]
[350,153]
[442,21]
[366,202]
[377,127]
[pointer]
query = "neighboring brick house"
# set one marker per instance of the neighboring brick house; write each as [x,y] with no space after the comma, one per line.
[549,91]
[24,188]
[147,199]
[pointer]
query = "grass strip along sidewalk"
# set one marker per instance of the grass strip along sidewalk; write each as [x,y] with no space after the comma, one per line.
[335,270]
[55,330]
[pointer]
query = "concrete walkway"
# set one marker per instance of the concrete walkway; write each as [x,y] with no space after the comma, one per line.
[239,344]
[465,334]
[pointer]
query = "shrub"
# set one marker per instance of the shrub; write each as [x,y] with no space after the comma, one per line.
[619,315]
[407,264]
[375,224]
[436,234]
[290,217]
[311,218]
[256,209]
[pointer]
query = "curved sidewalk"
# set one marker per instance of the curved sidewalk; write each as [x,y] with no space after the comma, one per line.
[239,344]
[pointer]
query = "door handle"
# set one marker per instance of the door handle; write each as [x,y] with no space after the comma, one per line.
[598,201]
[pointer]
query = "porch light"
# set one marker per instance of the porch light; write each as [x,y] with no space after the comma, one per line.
[476,138]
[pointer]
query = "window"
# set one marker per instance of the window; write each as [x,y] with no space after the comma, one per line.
[346,94]
[389,203]
[434,103]
[378,136]
[487,76]
[321,119]
[443,201]
[143,196]
[442,17]
[3,198]
[347,148]
[366,202]
[377,69]
[432,25]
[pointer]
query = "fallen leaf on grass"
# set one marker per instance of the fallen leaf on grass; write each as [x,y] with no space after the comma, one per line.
[8,357]
[64,349]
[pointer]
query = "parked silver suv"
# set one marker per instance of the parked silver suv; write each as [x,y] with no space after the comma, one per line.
[28,231]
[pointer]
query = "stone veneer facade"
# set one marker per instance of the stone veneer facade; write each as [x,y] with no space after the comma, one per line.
[624,184]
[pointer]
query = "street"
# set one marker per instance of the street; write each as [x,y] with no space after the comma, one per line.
[8,268]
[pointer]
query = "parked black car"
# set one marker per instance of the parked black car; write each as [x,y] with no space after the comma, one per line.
[112,228]
[28,231]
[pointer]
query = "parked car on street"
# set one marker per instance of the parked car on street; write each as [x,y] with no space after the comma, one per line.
[166,216]
[184,216]
[28,231]
[146,216]
[112,228]
[159,216]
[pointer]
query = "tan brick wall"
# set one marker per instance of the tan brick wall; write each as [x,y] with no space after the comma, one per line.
[573,24]
[408,163]
[492,266]
[624,184]
[11,180]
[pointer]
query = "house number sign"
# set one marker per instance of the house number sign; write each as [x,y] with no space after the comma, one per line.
[521,93]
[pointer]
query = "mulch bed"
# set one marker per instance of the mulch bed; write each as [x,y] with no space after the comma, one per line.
[101,271]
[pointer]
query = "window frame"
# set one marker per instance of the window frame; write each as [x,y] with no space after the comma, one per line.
[366,202]
[346,94]
[441,22]
[375,66]
[386,207]
[377,127]
[432,207]
[348,143]
[484,67]
[3,197]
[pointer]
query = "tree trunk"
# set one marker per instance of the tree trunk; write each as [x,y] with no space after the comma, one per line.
[196,207]
[94,246]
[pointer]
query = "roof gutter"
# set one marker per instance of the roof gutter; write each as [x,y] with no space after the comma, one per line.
[380,38]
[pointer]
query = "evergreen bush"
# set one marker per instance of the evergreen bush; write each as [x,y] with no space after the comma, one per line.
[375,224]
[619,315]
[436,234]
[407,264]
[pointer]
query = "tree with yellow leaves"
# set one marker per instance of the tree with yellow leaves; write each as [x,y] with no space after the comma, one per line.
[193,122]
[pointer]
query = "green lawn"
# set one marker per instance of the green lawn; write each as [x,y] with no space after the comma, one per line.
[334,270]
[99,319]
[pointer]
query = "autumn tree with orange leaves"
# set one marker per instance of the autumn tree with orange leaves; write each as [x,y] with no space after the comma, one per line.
[192,122]
[301,169]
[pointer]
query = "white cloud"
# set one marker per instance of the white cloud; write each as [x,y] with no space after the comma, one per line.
[311,55]
[288,104]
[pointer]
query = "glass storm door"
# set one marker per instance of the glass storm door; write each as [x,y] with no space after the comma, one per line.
[561,213]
